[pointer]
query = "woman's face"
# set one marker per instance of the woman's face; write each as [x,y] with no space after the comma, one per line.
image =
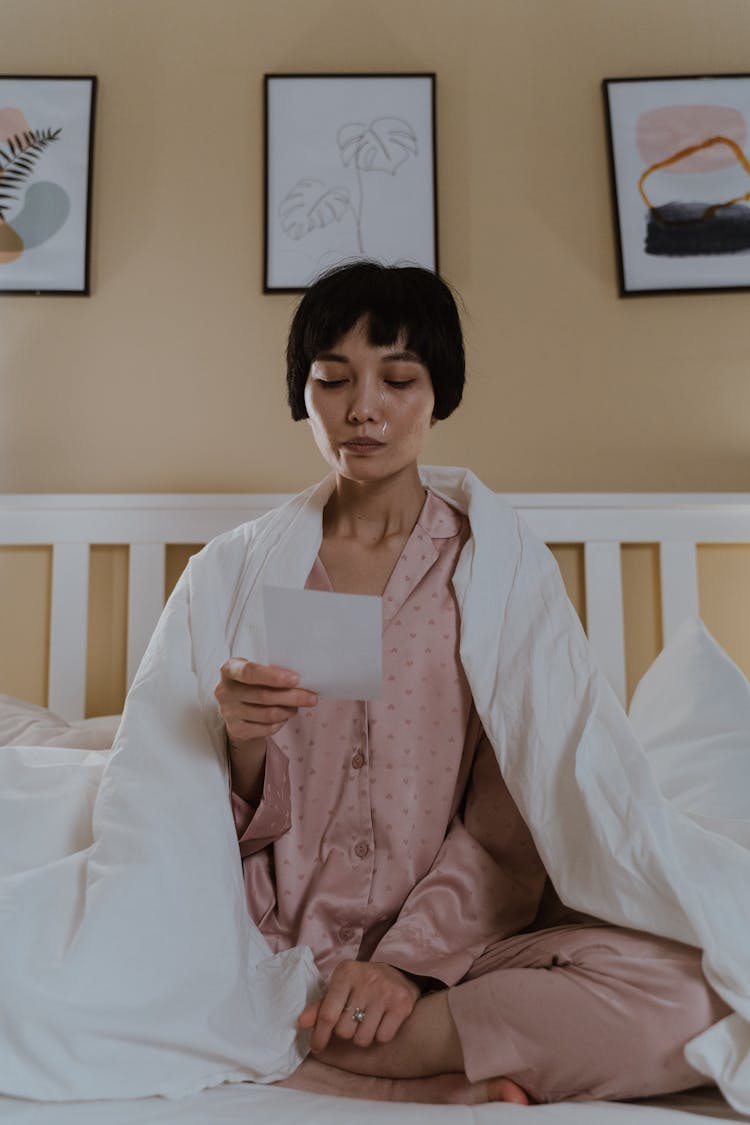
[369,408]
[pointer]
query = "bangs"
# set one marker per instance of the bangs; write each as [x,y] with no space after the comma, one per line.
[389,309]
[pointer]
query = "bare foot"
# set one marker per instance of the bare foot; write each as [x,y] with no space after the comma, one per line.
[506,1090]
[318,1077]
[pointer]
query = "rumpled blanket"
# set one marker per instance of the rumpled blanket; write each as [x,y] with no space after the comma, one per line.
[128,963]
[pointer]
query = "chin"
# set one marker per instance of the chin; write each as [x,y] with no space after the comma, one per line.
[363,472]
[368,471]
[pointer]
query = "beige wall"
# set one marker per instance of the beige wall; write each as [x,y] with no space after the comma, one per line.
[170,377]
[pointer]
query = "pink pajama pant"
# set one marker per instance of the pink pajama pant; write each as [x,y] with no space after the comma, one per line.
[584,1011]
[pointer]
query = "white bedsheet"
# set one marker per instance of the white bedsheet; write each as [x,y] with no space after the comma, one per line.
[129,965]
[263,1105]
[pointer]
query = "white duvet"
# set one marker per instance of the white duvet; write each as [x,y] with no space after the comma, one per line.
[128,963]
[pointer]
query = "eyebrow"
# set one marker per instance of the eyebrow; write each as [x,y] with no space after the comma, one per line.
[391,357]
[405,355]
[330,357]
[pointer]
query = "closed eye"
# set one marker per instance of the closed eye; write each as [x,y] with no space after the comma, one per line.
[400,384]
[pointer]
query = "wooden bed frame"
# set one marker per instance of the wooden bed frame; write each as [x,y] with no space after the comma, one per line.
[71,524]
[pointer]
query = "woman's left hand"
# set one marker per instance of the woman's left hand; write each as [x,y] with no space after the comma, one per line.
[383,993]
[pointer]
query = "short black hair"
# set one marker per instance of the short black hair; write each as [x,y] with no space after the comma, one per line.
[398,303]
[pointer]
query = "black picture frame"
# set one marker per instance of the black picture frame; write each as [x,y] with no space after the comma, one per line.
[350,172]
[46,175]
[680,182]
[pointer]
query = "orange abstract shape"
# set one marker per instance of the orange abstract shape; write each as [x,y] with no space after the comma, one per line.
[11,244]
[12,123]
[685,154]
[676,128]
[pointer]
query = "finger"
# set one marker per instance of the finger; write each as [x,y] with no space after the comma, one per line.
[266,716]
[388,1026]
[365,1031]
[346,1025]
[329,1013]
[265,696]
[247,672]
[233,698]
[308,1017]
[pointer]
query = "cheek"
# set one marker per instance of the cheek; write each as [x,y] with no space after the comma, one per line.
[422,421]
[308,397]
[315,415]
[317,429]
[412,410]
[319,424]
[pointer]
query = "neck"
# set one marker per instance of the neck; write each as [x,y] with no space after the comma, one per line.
[374,510]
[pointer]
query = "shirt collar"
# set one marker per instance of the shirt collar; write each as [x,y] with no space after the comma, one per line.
[437,519]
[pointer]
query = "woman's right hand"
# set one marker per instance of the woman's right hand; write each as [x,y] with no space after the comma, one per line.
[256,700]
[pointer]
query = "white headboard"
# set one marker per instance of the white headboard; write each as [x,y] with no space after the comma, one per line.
[148,523]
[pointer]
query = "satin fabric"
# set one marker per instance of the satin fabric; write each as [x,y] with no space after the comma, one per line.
[385,831]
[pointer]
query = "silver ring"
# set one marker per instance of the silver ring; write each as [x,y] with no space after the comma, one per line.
[358,1015]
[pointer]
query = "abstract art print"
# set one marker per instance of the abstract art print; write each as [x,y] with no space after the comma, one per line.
[46,139]
[680,163]
[350,173]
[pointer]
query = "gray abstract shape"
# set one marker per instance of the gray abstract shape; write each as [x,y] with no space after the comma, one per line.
[46,207]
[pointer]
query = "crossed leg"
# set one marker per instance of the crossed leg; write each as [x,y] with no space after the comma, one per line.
[571,1012]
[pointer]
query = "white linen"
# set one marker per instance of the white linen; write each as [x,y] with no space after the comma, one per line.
[135,968]
[613,845]
[270,1105]
[691,713]
[130,967]
[26,724]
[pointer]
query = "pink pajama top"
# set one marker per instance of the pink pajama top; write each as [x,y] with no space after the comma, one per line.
[385,831]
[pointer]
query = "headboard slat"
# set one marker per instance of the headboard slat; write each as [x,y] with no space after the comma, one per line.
[146,570]
[604,611]
[679,585]
[69,629]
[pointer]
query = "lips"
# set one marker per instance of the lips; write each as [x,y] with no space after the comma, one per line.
[363,443]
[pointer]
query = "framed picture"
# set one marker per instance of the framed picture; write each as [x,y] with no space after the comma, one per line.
[680,165]
[46,144]
[350,171]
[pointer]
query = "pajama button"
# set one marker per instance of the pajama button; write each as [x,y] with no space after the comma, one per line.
[346,933]
[361,849]
[358,761]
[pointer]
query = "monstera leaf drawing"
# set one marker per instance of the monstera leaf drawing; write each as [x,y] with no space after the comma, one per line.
[378,147]
[310,205]
[381,146]
[18,155]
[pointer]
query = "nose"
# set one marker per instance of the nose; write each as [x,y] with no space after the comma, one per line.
[366,402]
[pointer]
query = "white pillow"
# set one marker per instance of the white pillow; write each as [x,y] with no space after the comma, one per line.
[691,712]
[25,724]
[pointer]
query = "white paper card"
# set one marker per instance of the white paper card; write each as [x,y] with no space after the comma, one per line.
[333,640]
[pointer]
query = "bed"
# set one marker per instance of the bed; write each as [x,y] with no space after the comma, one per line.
[599,528]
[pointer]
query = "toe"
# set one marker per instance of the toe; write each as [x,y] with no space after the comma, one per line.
[506,1090]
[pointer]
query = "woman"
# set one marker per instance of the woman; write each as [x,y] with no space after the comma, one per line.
[383,834]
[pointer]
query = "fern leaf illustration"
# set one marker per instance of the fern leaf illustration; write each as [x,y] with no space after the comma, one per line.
[18,157]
